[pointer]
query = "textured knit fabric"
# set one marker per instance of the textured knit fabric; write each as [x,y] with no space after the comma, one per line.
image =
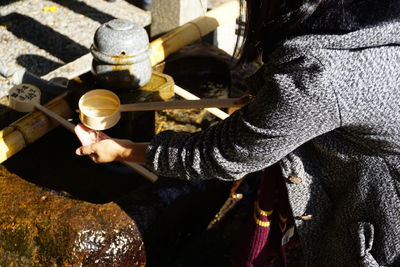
[327,110]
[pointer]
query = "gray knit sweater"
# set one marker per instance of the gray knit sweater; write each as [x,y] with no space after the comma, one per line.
[328,111]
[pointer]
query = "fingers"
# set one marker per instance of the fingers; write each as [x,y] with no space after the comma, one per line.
[94,157]
[245,99]
[84,134]
[78,151]
[85,150]
[101,152]
[103,136]
[82,127]
[88,151]
[88,136]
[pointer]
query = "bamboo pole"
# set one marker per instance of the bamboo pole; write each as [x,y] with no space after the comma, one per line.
[31,127]
[11,143]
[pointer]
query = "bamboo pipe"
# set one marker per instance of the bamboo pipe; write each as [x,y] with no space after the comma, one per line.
[192,31]
[10,143]
[31,127]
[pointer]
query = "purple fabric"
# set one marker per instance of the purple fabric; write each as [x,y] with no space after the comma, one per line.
[270,228]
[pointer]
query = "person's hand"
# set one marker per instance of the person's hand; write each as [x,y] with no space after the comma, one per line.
[243,100]
[100,147]
[246,98]
[89,136]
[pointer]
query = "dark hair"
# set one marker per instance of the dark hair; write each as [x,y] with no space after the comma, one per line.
[268,22]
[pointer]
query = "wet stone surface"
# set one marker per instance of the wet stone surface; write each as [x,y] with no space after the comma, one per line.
[44,227]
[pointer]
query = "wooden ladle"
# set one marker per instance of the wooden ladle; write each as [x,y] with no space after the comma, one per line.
[101,109]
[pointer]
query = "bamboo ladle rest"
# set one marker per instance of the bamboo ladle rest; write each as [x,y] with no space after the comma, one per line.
[101,109]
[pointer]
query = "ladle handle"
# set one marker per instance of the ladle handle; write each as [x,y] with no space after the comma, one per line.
[66,124]
[70,126]
[181,104]
[141,170]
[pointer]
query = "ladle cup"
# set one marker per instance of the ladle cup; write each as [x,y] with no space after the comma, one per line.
[101,109]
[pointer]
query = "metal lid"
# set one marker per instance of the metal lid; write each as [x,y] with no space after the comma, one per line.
[121,37]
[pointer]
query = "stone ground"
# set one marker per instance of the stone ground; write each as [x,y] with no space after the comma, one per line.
[43,35]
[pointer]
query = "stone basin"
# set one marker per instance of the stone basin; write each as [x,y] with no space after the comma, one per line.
[60,209]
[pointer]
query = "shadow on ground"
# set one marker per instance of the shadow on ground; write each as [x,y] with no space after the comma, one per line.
[37,64]
[43,37]
[80,7]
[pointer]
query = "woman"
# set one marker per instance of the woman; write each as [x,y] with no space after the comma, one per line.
[325,110]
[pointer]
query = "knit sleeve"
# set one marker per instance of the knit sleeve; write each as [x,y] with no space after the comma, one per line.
[294,104]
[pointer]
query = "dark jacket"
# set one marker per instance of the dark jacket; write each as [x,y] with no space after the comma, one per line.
[328,111]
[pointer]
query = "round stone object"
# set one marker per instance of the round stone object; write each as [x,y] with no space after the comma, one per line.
[121,37]
[120,52]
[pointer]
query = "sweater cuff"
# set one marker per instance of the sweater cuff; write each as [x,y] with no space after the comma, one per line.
[165,153]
